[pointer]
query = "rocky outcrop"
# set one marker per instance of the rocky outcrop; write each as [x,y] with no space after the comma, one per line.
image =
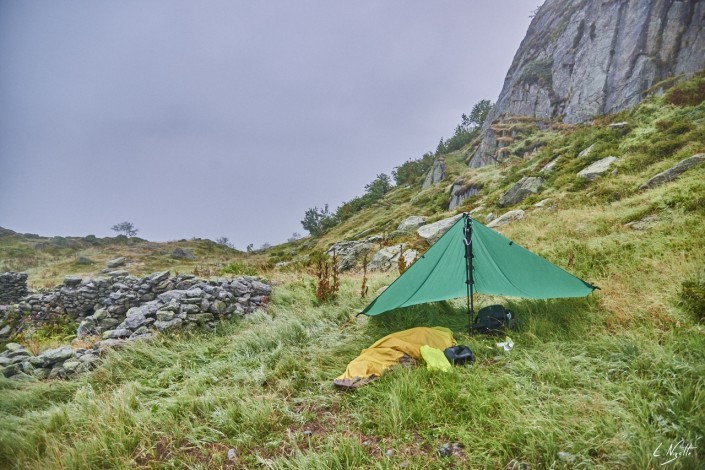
[350,252]
[388,258]
[597,169]
[674,172]
[434,231]
[411,223]
[436,174]
[13,286]
[460,191]
[583,58]
[507,218]
[524,188]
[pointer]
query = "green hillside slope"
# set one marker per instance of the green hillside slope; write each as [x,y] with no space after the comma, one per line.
[608,381]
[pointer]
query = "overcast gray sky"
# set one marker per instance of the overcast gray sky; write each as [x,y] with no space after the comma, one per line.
[229,118]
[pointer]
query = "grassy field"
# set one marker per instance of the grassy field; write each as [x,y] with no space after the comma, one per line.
[609,381]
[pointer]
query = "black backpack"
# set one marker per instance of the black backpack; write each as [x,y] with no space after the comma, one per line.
[492,319]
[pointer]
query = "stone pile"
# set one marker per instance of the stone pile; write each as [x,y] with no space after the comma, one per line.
[63,363]
[200,304]
[13,286]
[125,308]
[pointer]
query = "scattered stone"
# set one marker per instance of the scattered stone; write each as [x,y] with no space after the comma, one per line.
[542,203]
[389,453]
[434,231]
[53,356]
[14,347]
[548,167]
[117,262]
[596,170]
[83,260]
[388,258]
[180,253]
[586,152]
[445,450]
[115,334]
[674,172]
[566,457]
[507,218]
[231,454]
[349,253]
[71,281]
[308,433]
[618,125]
[521,190]
[411,223]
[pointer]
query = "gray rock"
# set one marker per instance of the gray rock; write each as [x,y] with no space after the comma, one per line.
[83,260]
[459,192]
[118,333]
[434,231]
[388,258]
[411,223]
[117,262]
[14,347]
[87,328]
[542,203]
[218,307]
[548,167]
[674,172]
[168,296]
[180,253]
[72,280]
[168,325]
[40,373]
[618,125]
[135,320]
[507,218]
[587,151]
[53,356]
[597,169]
[71,366]
[156,278]
[110,343]
[165,315]
[566,457]
[436,174]
[349,253]
[582,59]
[521,190]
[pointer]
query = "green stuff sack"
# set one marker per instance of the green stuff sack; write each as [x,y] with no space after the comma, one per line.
[435,359]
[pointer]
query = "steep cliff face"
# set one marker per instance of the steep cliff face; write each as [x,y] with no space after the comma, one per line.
[583,58]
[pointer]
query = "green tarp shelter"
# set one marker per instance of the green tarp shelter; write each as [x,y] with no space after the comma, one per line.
[471,258]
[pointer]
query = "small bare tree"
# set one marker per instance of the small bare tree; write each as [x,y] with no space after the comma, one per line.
[126,228]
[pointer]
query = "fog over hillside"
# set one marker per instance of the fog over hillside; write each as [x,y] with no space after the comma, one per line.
[229,118]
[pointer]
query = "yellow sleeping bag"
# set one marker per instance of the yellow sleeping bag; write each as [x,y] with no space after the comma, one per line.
[388,351]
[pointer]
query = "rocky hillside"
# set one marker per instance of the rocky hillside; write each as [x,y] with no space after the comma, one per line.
[586,58]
